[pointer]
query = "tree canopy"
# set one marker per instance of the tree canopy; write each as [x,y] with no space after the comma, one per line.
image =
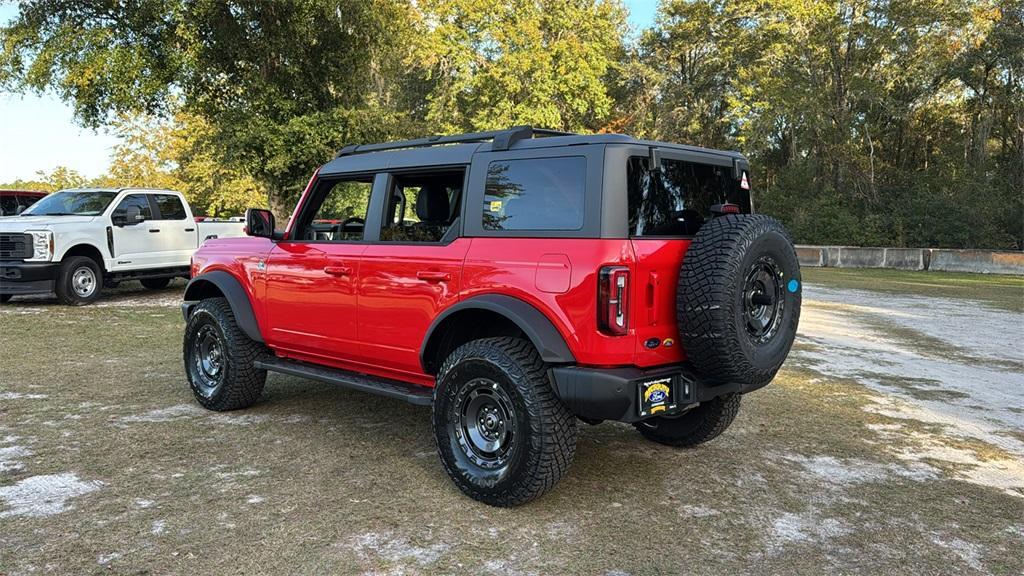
[866,121]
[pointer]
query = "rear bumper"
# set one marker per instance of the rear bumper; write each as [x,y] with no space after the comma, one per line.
[614,393]
[17,277]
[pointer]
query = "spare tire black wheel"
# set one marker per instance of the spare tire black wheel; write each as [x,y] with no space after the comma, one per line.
[738,302]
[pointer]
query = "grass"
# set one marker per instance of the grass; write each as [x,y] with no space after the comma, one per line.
[317,479]
[1006,292]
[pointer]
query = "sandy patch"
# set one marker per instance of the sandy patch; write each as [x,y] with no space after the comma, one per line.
[44,495]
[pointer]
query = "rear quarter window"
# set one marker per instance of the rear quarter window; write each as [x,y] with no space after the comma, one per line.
[535,194]
[677,200]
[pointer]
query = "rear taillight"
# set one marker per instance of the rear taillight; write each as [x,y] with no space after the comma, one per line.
[613,300]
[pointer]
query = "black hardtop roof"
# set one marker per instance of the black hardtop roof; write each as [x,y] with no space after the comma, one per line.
[460,148]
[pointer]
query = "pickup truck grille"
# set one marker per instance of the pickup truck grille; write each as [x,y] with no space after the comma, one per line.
[15,246]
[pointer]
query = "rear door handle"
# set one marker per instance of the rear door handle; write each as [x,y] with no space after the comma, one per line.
[433,276]
[338,270]
[154,230]
[190,229]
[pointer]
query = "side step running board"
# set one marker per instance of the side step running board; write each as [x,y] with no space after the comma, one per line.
[419,395]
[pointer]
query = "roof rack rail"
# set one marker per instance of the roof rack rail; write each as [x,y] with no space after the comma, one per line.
[502,139]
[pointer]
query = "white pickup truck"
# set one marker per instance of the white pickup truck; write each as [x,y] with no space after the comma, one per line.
[73,242]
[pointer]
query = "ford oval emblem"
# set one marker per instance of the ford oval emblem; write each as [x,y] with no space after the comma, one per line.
[652,343]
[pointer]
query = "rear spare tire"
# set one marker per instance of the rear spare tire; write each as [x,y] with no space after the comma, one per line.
[738,302]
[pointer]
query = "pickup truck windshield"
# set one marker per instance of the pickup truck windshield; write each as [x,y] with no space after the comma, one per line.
[72,203]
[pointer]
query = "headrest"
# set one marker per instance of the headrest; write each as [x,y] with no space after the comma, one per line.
[432,203]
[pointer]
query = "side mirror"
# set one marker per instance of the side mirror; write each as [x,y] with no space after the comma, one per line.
[135,215]
[259,223]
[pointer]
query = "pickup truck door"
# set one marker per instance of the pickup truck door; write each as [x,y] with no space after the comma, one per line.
[176,235]
[136,244]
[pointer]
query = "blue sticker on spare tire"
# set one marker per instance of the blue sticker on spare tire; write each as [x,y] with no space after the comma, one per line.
[793,285]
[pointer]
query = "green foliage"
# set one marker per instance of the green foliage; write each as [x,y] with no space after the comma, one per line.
[500,63]
[866,121]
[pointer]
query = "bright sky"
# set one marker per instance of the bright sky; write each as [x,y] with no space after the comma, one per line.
[39,132]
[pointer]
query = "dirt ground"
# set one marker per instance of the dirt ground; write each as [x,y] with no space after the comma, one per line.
[891,443]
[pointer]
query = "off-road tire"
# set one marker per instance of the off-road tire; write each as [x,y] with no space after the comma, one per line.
[241,383]
[155,283]
[70,269]
[713,299]
[698,425]
[543,440]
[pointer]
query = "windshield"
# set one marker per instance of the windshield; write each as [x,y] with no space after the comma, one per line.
[72,203]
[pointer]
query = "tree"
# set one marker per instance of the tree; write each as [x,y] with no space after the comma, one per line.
[499,63]
[180,155]
[281,84]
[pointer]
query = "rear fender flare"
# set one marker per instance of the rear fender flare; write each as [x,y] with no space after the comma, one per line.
[235,294]
[549,343]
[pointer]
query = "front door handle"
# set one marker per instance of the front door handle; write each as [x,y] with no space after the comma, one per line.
[433,276]
[154,230]
[338,270]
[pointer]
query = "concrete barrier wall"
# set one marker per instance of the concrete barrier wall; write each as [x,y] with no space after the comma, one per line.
[907,258]
[982,261]
[978,261]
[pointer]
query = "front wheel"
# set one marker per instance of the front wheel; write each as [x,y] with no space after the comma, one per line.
[5,298]
[695,426]
[219,358]
[79,281]
[502,435]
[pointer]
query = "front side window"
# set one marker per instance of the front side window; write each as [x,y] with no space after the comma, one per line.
[423,207]
[676,200]
[340,211]
[141,201]
[170,207]
[72,203]
[535,194]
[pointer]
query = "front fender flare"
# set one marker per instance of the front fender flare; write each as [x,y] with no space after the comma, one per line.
[538,328]
[235,294]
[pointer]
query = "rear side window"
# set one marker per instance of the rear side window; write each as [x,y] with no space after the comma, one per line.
[677,200]
[535,194]
[170,207]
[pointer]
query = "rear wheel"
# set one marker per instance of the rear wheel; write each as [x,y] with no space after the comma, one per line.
[695,426]
[155,283]
[219,358]
[502,435]
[5,298]
[79,281]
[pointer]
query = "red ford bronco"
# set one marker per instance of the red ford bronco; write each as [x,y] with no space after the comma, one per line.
[516,281]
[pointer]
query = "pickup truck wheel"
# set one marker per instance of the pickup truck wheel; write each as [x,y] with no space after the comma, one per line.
[79,281]
[219,358]
[155,283]
[5,298]
[502,435]
[696,426]
[738,303]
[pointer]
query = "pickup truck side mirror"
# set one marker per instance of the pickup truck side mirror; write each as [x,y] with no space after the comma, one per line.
[127,217]
[259,223]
